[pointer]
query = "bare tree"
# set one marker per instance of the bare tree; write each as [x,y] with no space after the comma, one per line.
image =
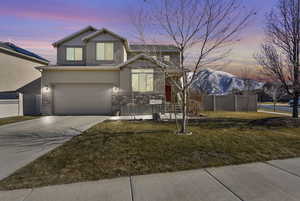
[279,55]
[201,30]
[276,91]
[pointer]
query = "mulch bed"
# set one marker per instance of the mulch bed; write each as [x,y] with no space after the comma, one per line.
[277,122]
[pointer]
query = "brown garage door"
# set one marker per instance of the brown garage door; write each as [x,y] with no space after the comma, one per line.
[82,99]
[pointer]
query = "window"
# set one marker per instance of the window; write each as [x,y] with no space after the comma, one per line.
[154,57]
[167,58]
[142,80]
[105,51]
[74,54]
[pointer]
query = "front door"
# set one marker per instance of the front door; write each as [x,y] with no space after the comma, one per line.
[168,91]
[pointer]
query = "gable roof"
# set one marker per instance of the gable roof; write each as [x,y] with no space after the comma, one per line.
[153,48]
[145,57]
[168,68]
[88,28]
[33,87]
[104,30]
[14,50]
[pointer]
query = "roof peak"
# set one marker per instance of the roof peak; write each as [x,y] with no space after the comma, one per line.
[87,28]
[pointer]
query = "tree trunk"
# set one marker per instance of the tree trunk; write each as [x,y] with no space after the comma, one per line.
[296,64]
[184,93]
[184,112]
[295,106]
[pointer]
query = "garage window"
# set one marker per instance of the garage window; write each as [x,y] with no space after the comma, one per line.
[105,51]
[74,54]
[142,80]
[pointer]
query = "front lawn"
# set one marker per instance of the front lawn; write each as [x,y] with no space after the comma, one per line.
[9,120]
[121,148]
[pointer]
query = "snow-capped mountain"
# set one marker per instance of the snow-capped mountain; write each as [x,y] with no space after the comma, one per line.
[221,83]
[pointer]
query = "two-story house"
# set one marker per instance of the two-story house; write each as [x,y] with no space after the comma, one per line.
[98,72]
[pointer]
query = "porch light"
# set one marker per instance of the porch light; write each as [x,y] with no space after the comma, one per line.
[46,89]
[115,89]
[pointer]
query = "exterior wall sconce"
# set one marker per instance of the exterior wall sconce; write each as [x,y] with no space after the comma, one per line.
[115,89]
[46,89]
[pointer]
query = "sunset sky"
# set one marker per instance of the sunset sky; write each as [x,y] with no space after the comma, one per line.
[36,24]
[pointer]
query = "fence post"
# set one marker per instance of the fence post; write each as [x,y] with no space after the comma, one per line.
[256,101]
[214,103]
[235,103]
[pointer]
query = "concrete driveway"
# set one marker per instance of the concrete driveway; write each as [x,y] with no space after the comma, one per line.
[23,142]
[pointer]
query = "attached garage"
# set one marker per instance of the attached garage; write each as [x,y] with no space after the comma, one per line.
[82,99]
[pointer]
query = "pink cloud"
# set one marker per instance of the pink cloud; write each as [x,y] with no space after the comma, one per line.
[62,13]
[56,16]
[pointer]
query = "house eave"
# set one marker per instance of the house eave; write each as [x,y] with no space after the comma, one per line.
[23,56]
[153,51]
[57,43]
[103,30]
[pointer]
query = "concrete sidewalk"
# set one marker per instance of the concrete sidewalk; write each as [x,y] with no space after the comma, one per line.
[270,181]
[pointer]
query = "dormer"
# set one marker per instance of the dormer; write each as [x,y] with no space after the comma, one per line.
[71,50]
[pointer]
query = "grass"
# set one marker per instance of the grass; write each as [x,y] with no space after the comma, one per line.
[120,148]
[9,120]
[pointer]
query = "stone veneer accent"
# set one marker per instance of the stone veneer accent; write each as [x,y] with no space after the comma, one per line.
[138,102]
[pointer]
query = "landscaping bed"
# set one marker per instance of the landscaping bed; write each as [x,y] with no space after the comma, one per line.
[288,122]
[121,148]
[9,120]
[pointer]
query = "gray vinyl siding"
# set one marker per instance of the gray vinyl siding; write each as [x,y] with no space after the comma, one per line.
[62,55]
[91,59]
[75,42]
[91,50]
[125,77]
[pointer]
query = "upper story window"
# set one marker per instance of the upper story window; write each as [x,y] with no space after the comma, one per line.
[167,58]
[142,80]
[105,51]
[154,57]
[74,54]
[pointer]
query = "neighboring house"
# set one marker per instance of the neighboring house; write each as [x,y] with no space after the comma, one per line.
[99,73]
[17,69]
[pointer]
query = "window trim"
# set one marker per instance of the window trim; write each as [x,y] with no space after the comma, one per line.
[154,57]
[74,47]
[113,56]
[131,75]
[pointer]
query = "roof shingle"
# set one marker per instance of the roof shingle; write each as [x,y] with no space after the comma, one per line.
[153,47]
